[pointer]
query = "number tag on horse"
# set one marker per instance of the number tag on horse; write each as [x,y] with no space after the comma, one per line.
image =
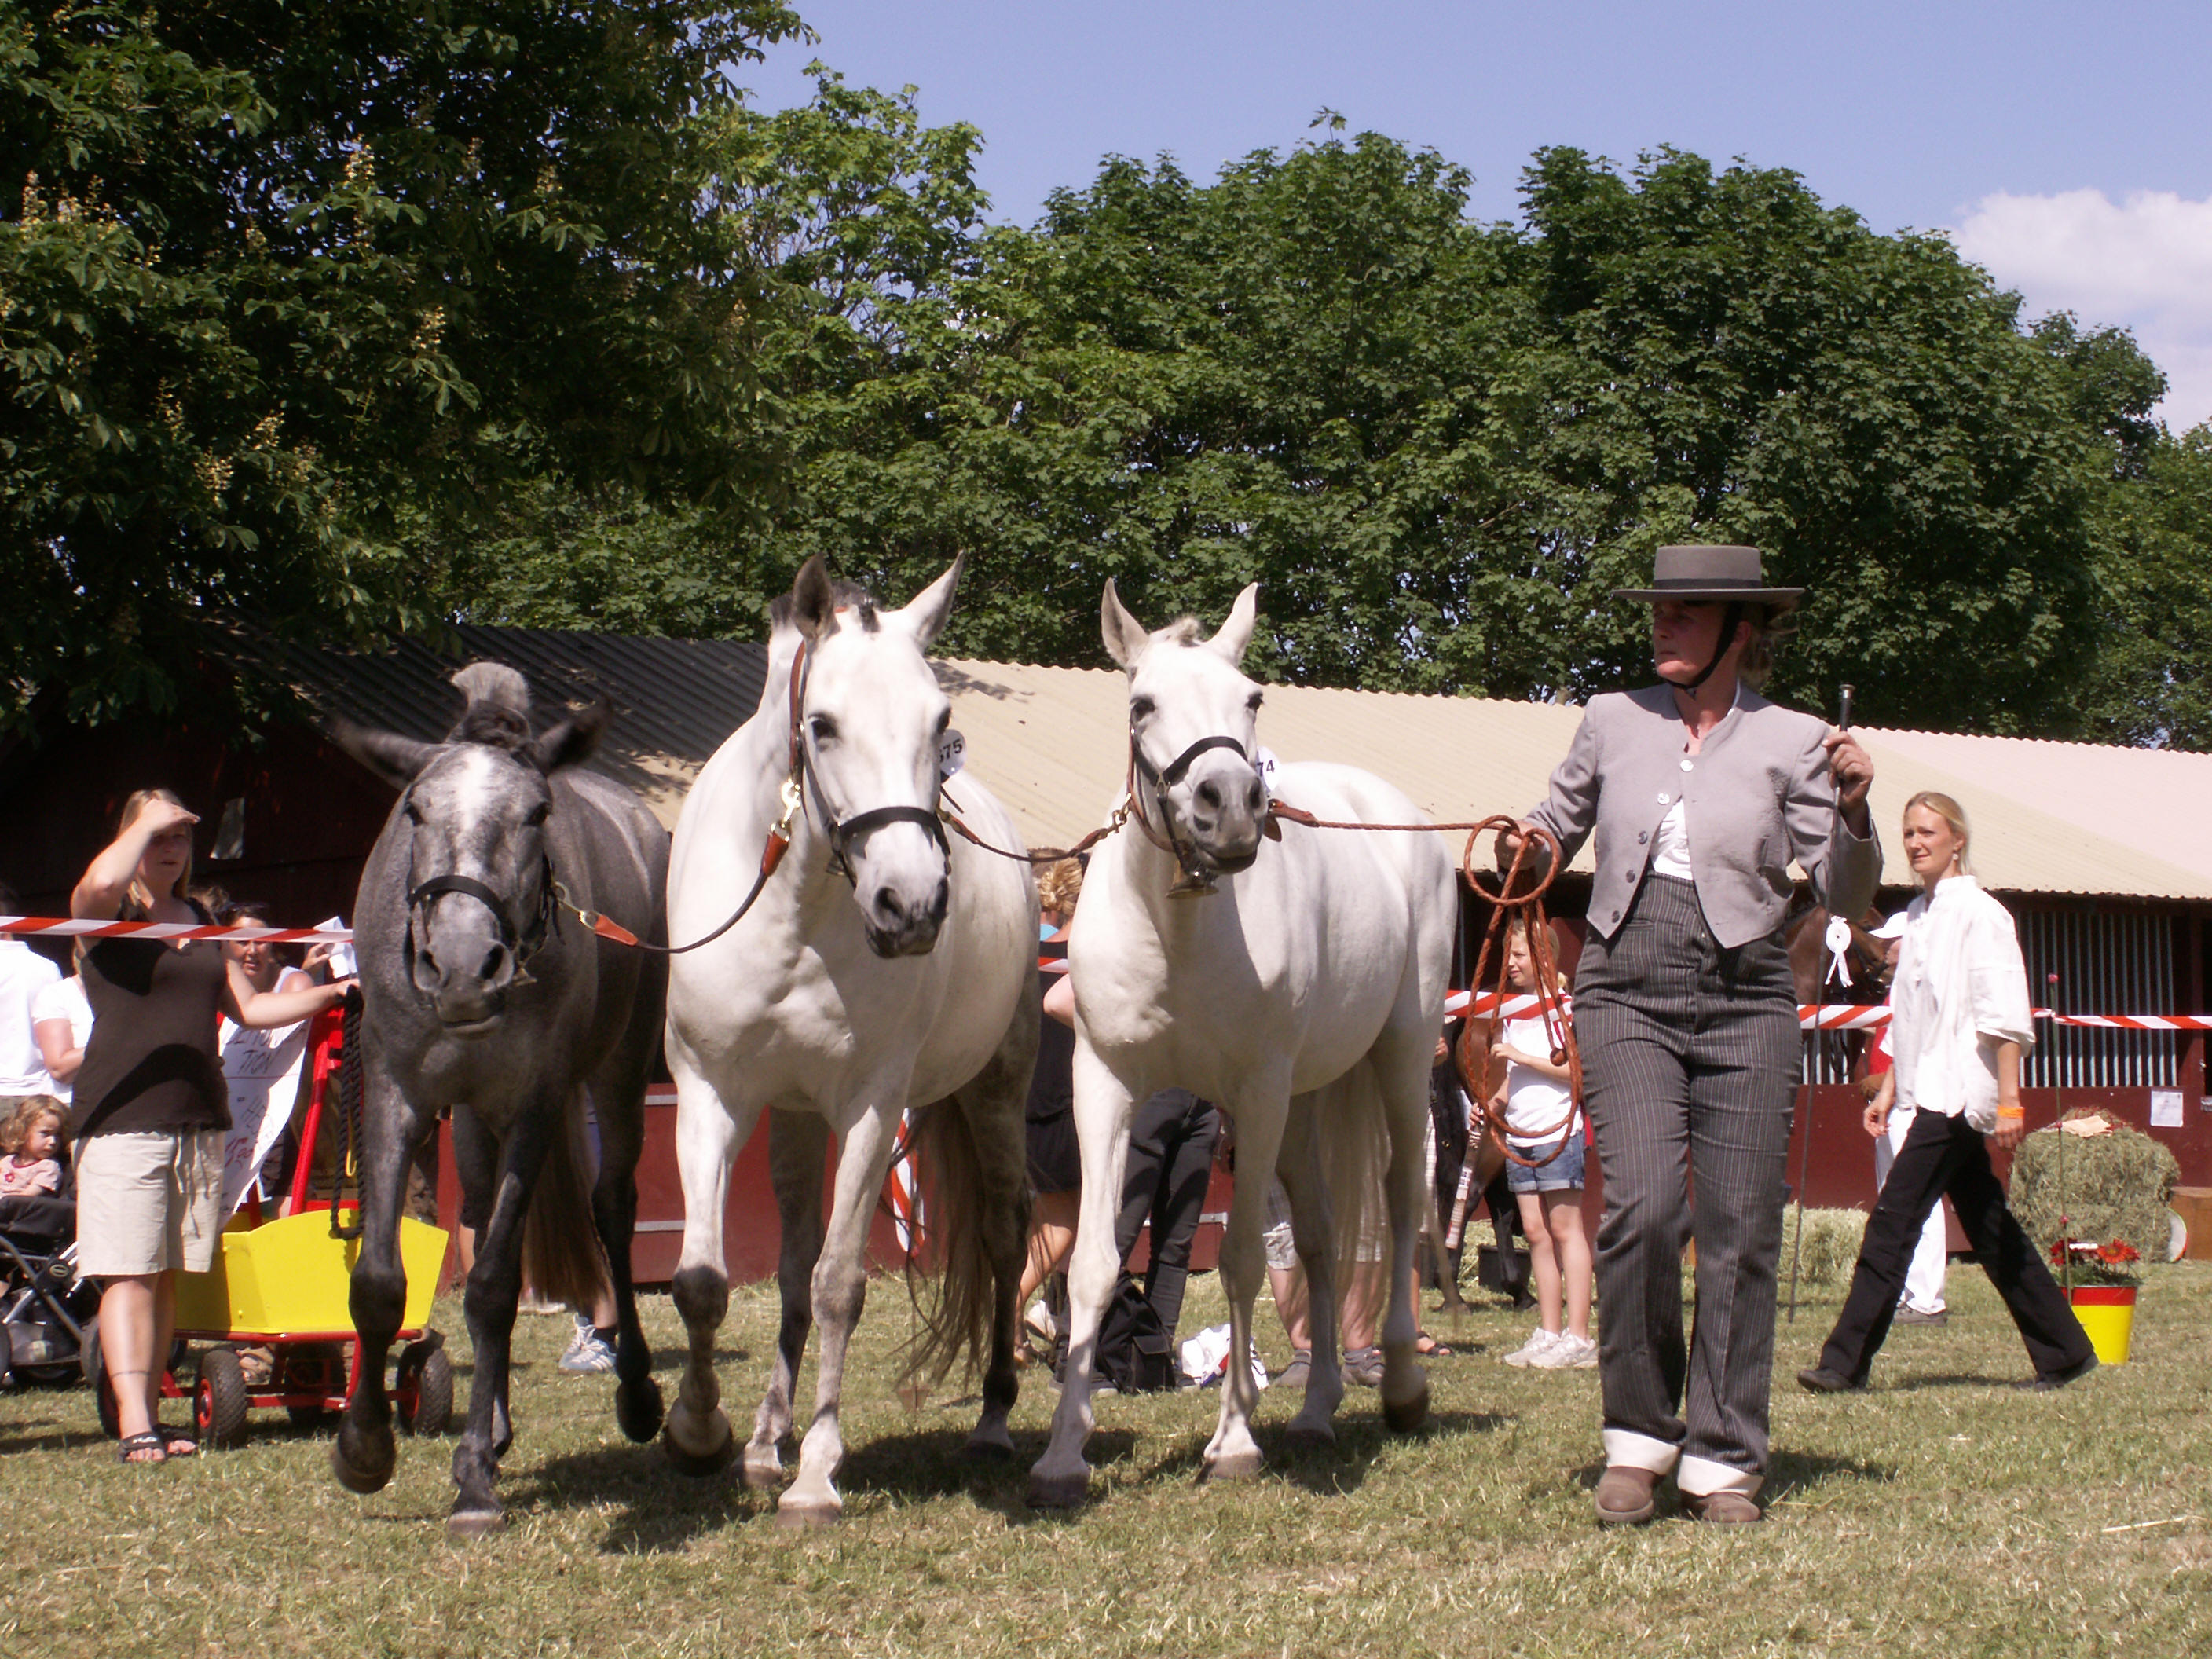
[951,754]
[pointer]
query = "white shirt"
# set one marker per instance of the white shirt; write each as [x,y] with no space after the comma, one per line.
[24,974]
[1961,988]
[64,999]
[1670,851]
[1535,1105]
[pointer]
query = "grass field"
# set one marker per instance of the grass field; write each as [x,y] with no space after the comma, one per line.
[1942,1514]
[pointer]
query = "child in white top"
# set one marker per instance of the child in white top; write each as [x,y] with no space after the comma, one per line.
[1535,1105]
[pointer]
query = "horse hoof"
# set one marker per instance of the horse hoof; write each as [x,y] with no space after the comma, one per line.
[1058,1491]
[763,1471]
[363,1462]
[983,1448]
[1404,1416]
[698,1465]
[474,1524]
[1308,1437]
[638,1410]
[1234,1466]
[808,1513]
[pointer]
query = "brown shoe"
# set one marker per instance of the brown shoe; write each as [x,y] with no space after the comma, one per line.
[1727,1509]
[1624,1496]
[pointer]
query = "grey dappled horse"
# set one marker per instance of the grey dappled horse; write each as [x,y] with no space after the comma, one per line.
[483,994]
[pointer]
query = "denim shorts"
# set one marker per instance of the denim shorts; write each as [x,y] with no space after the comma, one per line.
[1563,1174]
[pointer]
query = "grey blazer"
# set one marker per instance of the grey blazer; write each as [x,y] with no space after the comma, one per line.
[1755,795]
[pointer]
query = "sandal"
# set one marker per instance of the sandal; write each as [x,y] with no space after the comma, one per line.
[151,1440]
[1429,1348]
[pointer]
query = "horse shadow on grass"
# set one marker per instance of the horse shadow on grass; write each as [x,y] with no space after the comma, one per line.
[1341,1469]
[1948,1380]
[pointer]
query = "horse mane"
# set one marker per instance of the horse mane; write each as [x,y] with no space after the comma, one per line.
[1185,629]
[498,712]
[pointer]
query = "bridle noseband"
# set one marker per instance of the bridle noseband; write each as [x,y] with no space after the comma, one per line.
[1159,781]
[521,942]
[843,832]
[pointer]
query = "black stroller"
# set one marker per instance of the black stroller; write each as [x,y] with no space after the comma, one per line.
[46,1310]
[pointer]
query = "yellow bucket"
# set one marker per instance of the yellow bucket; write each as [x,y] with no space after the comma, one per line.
[290,1277]
[2107,1313]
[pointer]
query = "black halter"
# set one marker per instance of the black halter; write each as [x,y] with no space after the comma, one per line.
[1160,780]
[523,942]
[843,832]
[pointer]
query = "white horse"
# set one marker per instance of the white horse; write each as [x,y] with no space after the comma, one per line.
[880,970]
[1303,994]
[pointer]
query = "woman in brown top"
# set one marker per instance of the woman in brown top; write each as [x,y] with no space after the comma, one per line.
[149,1104]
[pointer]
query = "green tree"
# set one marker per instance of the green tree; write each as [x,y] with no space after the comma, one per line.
[2152,683]
[287,282]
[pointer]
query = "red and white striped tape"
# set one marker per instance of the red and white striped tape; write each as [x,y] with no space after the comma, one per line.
[1459,1003]
[1847,1017]
[69,927]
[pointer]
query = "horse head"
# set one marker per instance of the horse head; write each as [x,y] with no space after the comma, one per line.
[870,716]
[473,808]
[1194,731]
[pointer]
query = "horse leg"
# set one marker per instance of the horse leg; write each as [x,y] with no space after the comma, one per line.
[364,1453]
[620,1105]
[1103,1104]
[495,1287]
[698,1436]
[1401,1059]
[1298,1163]
[993,1107]
[799,1144]
[840,1290]
[1232,1453]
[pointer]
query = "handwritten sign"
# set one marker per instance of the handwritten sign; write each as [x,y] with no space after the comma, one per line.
[263,1071]
[2166,1109]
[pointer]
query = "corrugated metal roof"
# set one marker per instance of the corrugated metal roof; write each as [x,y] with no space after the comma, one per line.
[673,701]
[2048,817]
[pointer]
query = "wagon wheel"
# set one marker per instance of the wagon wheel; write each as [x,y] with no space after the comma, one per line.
[422,1397]
[318,1365]
[95,1372]
[220,1401]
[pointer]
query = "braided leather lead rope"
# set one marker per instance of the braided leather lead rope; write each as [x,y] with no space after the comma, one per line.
[1510,896]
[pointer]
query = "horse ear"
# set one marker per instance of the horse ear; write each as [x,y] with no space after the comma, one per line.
[813,600]
[926,613]
[395,759]
[1237,633]
[572,741]
[1126,639]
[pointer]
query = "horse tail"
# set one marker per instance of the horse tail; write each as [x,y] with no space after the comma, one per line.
[955,1314]
[561,1260]
[1352,1131]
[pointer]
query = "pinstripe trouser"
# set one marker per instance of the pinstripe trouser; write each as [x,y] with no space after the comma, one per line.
[1691,1056]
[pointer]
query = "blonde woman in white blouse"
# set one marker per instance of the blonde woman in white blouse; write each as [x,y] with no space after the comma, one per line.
[1958,1019]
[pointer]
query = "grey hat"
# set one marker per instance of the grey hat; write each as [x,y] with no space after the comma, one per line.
[1709,573]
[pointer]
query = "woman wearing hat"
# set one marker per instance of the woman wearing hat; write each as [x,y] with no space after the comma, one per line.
[1701,793]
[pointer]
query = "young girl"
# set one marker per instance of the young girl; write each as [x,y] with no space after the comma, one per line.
[1537,1107]
[31,1147]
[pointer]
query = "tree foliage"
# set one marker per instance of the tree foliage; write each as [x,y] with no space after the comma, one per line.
[1438,444]
[285,281]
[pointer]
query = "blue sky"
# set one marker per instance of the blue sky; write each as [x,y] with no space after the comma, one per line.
[2067,146]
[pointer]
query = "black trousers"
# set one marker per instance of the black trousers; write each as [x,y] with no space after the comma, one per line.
[1948,1155]
[1171,1138]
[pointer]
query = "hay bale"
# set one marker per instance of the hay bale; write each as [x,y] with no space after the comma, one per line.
[1831,1248]
[2095,1188]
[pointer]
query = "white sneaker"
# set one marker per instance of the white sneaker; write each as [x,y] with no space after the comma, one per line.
[1532,1352]
[1039,1325]
[1573,1352]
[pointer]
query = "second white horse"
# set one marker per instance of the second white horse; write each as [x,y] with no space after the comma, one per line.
[1298,984]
